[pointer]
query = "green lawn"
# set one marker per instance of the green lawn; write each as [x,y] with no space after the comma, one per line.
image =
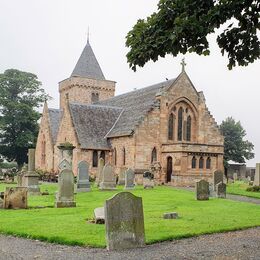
[239,188]
[69,225]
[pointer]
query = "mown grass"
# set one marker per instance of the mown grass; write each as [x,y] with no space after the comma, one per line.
[239,188]
[70,226]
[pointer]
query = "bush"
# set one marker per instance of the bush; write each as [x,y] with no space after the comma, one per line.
[253,189]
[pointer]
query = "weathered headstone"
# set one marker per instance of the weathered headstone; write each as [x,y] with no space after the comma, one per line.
[83,184]
[99,177]
[65,194]
[217,178]
[31,179]
[235,176]
[99,215]
[1,203]
[257,175]
[171,215]
[15,198]
[129,179]
[121,176]
[124,221]
[221,190]
[202,190]
[108,181]
[148,180]
[65,165]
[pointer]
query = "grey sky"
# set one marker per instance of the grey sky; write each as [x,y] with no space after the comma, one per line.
[46,37]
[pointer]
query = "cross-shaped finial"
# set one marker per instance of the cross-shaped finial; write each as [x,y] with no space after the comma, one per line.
[88,34]
[183,64]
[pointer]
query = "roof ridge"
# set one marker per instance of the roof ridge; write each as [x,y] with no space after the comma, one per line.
[95,105]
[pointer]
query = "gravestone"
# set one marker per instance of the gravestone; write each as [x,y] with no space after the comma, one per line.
[221,190]
[1,203]
[124,221]
[235,176]
[83,184]
[99,215]
[15,198]
[101,163]
[171,215]
[148,180]
[217,178]
[31,179]
[65,194]
[121,176]
[65,165]
[129,179]
[108,181]
[202,190]
[257,175]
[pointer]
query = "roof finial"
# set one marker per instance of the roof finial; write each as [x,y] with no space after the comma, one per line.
[183,64]
[88,34]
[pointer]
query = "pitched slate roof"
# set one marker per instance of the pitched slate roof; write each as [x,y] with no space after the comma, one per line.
[92,122]
[135,105]
[55,116]
[87,65]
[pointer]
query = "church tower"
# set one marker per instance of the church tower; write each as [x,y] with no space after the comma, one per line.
[87,83]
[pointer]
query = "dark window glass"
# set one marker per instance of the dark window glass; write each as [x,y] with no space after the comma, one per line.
[201,163]
[124,156]
[170,127]
[180,122]
[193,162]
[208,163]
[115,156]
[188,131]
[95,159]
[102,155]
[94,97]
[154,155]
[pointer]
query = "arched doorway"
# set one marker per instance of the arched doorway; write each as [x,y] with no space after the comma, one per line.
[169,169]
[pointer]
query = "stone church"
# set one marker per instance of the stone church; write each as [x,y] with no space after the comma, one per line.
[166,127]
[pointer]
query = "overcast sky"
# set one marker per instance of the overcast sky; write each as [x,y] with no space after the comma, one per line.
[46,37]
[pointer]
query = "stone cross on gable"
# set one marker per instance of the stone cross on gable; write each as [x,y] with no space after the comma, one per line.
[183,64]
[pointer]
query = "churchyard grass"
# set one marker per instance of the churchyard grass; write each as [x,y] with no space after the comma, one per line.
[239,188]
[70,226]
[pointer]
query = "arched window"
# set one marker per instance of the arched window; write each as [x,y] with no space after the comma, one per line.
[154,155]
[171,123]
[94,97]
[201,163]
[95,159]
[102,155]
[188,131]
[123,155]
[193,162]
[180,122]
[114,154]
[208,163]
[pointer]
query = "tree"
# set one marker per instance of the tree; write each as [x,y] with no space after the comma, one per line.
[235,147]
[20,96]
[181,26]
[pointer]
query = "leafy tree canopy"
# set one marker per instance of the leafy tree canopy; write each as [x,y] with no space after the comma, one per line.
[181,26]
[20,96]
[235,147]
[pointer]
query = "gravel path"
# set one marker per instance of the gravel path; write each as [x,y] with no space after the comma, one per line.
[243,244]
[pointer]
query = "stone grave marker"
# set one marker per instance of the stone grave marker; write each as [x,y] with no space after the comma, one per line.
[121,176]
[15,198]
[257,175]
[65,194]
[148,180]
[235,176]
[124,221]
[202,190]
[108,181]
[101,163]
[217,178]
[171,215]
[129,179]
[221,190]
[99,215]
[83,184]
[65,165]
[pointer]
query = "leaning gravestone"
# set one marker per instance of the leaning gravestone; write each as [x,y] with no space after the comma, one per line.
[65,165]
[108,181]
[202,190]
[15,198]
[129,179]
[221,190]
[124,221]
[217,178]
[121,176]
[257,175]
[101,163]
[148,180]
[83,184]
[65,194]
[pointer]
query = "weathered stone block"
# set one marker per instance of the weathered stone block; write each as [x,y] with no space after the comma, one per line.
[129,179]
[83,184]
[218,177]
[99,215]
[171,215]
[15,198]
[202,190]
[108,178]
[221,190]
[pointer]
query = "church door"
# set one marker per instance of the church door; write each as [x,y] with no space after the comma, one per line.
[169,169]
